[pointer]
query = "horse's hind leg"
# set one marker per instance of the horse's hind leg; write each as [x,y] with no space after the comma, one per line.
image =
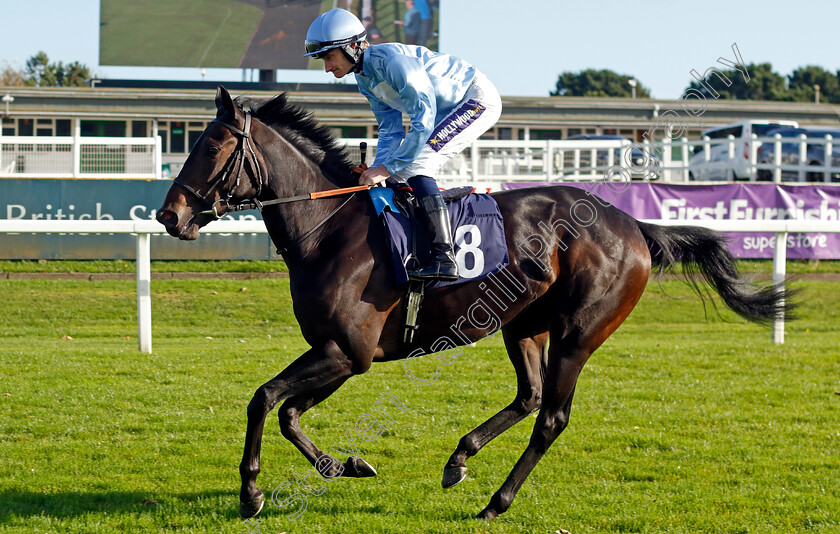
[527,352]
[289,415]
[558,391]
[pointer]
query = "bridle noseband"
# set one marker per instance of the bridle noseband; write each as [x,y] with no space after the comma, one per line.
[238,160]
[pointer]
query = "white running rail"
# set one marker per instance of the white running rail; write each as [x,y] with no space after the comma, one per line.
[144,229]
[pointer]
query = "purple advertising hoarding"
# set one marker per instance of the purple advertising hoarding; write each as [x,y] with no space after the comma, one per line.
[644,200]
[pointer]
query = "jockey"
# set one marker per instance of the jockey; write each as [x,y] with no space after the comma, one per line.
[449,104]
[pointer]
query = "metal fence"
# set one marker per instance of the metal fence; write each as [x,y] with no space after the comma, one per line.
[486,164]
[80,157]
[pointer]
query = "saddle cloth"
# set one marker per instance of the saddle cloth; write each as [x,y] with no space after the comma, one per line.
[477,228]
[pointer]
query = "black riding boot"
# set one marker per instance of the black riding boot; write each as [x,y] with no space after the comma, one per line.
[442,265]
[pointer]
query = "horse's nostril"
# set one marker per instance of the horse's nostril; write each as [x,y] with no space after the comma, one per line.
[167,218]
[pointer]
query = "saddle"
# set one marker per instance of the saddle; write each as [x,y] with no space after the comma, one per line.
[400,199]
[479,240]
[408,203]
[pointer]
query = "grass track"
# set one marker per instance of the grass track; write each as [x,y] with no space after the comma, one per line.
[123,266]
[210,33]
[680,423]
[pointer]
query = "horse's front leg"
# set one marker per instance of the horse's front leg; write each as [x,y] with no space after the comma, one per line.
[315,368]
[326,465]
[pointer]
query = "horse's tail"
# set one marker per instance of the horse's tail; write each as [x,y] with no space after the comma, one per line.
[703,251]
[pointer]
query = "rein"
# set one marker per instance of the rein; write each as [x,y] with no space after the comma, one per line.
[238,160]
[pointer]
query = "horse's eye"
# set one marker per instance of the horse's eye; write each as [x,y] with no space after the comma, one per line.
[213,150]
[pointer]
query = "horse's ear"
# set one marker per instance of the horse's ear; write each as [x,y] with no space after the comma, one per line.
[224,103]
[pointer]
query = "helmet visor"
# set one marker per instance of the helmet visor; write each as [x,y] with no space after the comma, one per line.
[318,49]
[312,47]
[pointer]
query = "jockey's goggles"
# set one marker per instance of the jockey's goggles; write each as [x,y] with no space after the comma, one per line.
[318,49]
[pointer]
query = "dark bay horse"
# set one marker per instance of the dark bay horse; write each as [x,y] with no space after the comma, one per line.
[577,268]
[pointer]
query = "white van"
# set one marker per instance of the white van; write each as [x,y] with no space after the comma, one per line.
[719,166]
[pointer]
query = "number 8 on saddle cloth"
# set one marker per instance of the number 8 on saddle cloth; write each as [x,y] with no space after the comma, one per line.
[477,227]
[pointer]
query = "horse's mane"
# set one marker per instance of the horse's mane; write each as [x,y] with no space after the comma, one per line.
[300,128]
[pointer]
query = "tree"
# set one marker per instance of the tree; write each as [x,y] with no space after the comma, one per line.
[591,82]
[763,84]
[802,80]
[9,76]
[41,73]
[38,71]
[75,75]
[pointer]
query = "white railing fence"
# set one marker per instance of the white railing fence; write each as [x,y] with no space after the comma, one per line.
[486,164]
[144,229]
[795,159]
[80,157]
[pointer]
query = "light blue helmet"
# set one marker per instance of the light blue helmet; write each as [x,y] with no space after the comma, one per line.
[337,28]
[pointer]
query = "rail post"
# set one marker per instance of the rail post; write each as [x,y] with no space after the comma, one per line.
[548,161]
[777,158]
[779,260]
[144,292]
[474,154]
[158,157]
[828,154]
[803,157]
[666,159]
[77,149]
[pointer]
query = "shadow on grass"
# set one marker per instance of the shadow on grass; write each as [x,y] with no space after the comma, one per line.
[22,504]
[432,512]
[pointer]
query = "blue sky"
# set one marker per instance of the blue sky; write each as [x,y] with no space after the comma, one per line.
[522,46]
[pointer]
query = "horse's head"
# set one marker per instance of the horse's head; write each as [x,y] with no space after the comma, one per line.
[215,175]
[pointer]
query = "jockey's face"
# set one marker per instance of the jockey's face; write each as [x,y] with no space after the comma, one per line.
[337,63]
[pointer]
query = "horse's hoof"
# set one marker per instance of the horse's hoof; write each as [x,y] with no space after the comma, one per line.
[359,468]
[252,507]
[452,475]
[488,514]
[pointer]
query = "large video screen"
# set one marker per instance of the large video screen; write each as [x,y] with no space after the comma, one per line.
[246,34]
